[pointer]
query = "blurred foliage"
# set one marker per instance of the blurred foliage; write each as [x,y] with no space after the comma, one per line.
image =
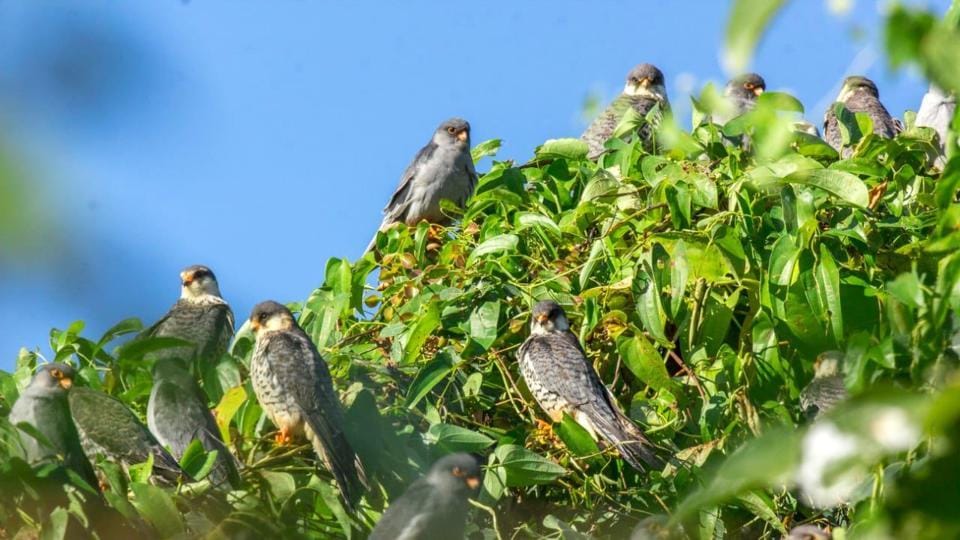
[703,281]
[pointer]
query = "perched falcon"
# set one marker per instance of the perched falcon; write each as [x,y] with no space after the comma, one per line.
[43,405]
[644,90]
[741,95]
[200,316]
[443,169]
[936,111]
[108,428]
[859,95]
[827,388]
[177,414]
[561,379]
[294,387]
[435,506]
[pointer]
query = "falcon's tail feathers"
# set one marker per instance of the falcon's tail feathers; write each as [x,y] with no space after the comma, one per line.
[634,447]
[332,447]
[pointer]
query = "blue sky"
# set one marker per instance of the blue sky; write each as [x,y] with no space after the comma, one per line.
[262,139]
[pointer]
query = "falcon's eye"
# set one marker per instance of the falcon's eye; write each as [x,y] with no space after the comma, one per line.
[263,317]
[56,373]
[749,86]
[458,472]
[451,130]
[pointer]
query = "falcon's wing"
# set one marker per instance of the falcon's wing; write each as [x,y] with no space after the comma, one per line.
[107,426]
[155,328]
[397,207]
[223,330]
[181,415]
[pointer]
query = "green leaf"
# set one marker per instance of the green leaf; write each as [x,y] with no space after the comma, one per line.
[483,323]
[526,468]
[644,361]
[457,439]
[842,184]
[280,484]
[141,472]
[576,438]
[649,308]
[747,22]
[484,149]
[780,101]
[428,377]
[156,506]
[572,149]
[428,322]
[196,462]
[55,526]
[828,281]
[227,408]
[498,244]
[526,220]
[760,505]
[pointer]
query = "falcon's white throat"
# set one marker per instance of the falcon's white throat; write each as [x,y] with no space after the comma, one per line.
[280,321]
[561,324]
[654,91]
[202,291]
[845,93]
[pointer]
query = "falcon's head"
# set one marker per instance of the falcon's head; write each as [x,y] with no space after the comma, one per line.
[271,316]
[747,87]
[857,85]
[548,317]
[453,132]
[646,80]
[827,364]
[197,281]
[456,474]
[55,377]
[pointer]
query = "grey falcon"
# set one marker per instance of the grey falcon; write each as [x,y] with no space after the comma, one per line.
[43,405]
[644,89]
[562,380]
[201,316]
[293,385]
[859,95]
[443,169]
[177,414]
[434,507]
[741,95]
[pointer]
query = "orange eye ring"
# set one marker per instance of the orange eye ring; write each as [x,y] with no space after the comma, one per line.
[451,130]
[458,472]
[56,373]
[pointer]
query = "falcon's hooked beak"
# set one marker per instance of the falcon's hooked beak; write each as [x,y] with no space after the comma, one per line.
[66,383]
[462,135]
[757,90]
[255,326]
[473,482]
[542,318]
[186,278]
